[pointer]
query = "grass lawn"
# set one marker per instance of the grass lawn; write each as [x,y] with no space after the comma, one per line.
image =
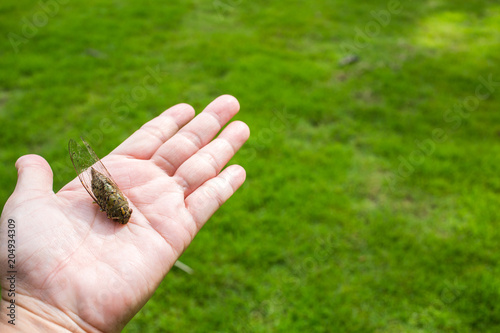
[371,188]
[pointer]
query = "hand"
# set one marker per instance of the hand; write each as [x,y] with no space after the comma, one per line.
[78,270]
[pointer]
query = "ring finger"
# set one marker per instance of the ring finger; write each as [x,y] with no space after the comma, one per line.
[209,161]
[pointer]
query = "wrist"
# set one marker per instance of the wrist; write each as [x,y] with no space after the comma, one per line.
[15,318]
[18,318]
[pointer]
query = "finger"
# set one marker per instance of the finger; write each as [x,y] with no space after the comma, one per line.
[203,202]
[145,141]
[34,175]
[209,161]
[196,134]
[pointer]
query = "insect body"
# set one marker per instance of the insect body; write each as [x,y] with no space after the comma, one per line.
[96,179]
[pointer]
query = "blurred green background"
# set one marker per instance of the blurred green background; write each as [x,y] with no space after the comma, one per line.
[372,192]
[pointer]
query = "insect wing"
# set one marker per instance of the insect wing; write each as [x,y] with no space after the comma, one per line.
[82,162]
[98,166]
[84,158]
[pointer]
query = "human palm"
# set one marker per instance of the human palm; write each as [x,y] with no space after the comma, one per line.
[78,270]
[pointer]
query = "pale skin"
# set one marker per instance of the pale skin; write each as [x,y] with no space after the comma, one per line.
[81,272]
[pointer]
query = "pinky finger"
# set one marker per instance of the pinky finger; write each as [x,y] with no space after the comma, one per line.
[207,198]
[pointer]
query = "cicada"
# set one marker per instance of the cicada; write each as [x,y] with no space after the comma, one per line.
[98,182]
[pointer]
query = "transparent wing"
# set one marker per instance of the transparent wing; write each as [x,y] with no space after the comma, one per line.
[84,158]
[98,166]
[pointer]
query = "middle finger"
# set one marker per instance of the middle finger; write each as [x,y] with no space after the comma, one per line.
[196,134]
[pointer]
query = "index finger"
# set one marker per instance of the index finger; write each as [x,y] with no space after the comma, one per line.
[149,138]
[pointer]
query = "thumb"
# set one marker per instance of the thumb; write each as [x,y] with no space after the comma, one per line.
[33,175]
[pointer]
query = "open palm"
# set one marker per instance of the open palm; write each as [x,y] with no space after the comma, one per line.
[78,270]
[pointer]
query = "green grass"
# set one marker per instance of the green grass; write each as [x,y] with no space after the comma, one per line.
[326,235]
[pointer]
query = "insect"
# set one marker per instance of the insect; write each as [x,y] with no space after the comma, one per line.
[96,179]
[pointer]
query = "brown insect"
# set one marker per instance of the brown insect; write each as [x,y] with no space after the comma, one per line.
[98,182]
